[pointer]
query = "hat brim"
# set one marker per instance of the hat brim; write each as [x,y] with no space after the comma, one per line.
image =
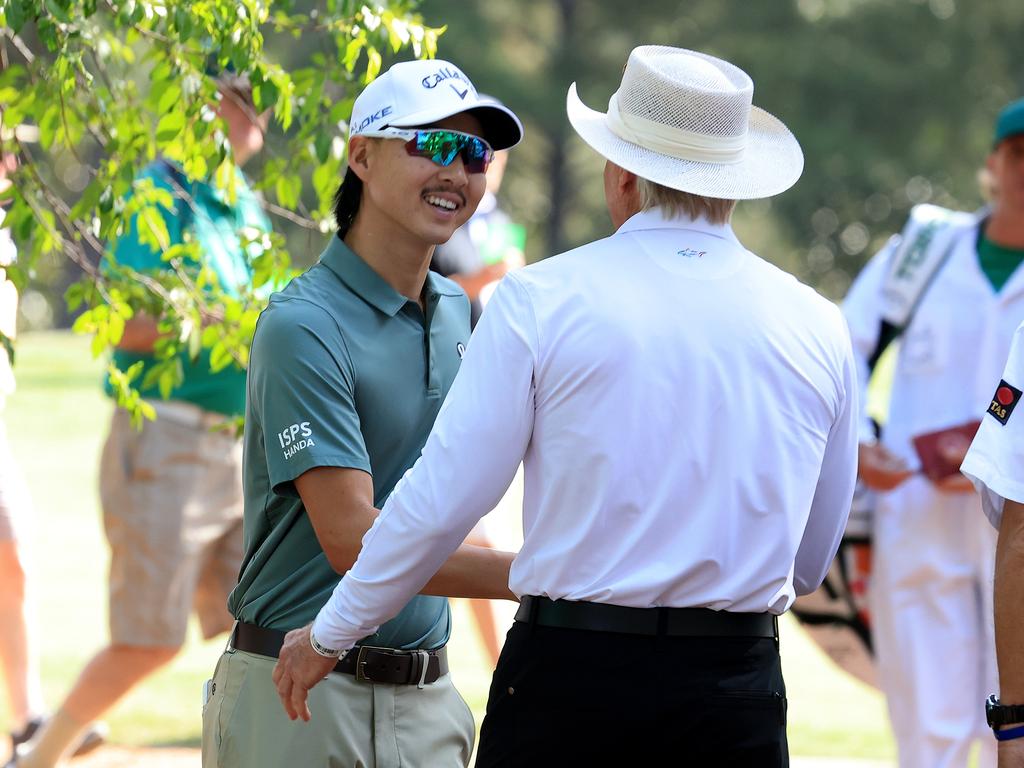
[771,163]
[501,127]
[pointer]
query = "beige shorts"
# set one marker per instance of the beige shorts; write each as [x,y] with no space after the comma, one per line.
[354,723]
[172,508]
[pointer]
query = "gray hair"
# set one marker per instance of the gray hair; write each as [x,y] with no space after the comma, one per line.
[674,202]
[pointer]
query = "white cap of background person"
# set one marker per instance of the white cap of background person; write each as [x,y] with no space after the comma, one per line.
[416,93]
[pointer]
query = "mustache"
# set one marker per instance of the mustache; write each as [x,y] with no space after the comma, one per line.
[447,191]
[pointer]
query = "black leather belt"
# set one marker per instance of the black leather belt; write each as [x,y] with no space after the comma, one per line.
[365,662]
[677,622]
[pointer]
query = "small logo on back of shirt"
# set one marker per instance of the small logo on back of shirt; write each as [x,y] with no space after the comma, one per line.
[1004,401]
[691,253]
[460,349]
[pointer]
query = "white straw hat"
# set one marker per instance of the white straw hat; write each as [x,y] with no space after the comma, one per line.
[685,120]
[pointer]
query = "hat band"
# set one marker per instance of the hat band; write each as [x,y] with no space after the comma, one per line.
[674,142]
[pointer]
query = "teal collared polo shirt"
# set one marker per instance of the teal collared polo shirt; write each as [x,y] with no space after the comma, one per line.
[214,222]
[344,372]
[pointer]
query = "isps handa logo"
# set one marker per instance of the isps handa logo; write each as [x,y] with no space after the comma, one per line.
[295,438]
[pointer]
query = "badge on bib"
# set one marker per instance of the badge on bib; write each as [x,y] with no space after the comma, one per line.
[1004,401]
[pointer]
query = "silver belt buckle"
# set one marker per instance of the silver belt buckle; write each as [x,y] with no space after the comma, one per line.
[361,661]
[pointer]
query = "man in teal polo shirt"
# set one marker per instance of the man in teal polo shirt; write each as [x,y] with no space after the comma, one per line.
[349,367]
[171,492]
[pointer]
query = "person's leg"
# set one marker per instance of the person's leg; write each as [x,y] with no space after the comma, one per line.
[18,657]
[244,724]
[926,625]
[111,673]
[146,479]
[433,726]
[571,697]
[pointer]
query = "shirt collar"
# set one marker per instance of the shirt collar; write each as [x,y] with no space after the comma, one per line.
[439,285]
[360,277]
[653,218]
[371,287]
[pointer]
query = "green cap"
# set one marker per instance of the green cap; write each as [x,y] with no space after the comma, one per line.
[1010,121]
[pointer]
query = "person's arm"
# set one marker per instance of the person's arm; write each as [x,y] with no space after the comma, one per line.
[830,506]
[339,503]
[878,468]
[434,507]
[1009,619]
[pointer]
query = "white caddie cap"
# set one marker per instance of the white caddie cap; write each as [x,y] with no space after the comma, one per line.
[415,93]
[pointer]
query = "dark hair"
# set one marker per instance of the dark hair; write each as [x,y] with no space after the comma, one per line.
[346,202]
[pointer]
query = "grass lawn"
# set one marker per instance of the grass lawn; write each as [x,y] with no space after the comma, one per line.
[57,422]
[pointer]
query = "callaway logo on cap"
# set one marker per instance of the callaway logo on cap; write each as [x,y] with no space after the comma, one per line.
[418,93]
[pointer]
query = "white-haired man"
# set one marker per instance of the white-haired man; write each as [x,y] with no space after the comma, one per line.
[687,415]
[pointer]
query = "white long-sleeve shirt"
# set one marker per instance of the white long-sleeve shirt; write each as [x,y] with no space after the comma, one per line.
[686,415]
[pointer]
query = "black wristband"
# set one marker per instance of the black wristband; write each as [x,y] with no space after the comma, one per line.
[997,713]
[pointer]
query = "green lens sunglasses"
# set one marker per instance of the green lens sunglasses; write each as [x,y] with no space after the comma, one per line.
[442,146]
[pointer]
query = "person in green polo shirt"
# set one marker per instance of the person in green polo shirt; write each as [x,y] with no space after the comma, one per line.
[172,491]
[350,365]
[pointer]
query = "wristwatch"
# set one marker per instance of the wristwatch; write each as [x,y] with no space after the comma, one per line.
[1002,714]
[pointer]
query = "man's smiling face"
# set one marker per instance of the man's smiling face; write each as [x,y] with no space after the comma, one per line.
[416,196]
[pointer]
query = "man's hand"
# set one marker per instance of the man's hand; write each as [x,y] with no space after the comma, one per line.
[879,468]
[955,483]
[1011,754]
[953,451]
[298,669]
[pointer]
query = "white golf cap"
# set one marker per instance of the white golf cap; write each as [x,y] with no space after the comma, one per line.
[415,93]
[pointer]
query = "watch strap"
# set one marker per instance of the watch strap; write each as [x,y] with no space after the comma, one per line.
[997,713]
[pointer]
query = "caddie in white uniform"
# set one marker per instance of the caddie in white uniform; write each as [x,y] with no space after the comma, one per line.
[686,415]
[953,285]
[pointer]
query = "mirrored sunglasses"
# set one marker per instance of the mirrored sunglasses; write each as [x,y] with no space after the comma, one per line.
[442,146]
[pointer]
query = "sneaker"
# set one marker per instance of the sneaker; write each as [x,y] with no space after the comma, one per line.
[93,737]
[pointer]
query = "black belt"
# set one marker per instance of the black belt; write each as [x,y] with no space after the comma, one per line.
[365,662]
[678,622]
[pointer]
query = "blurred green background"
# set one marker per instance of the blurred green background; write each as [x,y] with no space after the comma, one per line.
[892,100]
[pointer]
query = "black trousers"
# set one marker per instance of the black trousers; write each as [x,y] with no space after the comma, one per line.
[565,697]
